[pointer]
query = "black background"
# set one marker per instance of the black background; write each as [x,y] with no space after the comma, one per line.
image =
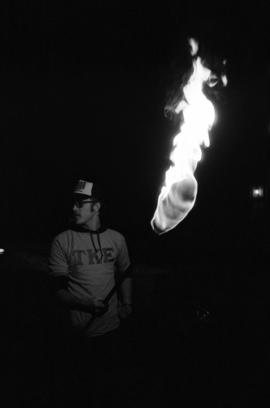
[83,91]
[82,94]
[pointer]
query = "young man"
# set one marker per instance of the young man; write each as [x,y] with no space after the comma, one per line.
[86,261]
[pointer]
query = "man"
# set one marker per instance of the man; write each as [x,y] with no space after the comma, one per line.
[86,262]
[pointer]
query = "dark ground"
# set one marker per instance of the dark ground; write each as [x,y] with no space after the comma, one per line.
[199,332]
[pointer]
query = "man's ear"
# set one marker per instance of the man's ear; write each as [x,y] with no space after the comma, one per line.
[97,206]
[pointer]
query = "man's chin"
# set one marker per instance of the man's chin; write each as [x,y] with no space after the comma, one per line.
[77,221]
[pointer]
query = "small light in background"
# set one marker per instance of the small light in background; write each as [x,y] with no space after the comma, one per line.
[2,251]
[257,192]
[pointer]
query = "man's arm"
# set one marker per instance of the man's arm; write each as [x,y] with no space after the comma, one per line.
[125,293]
[68,301]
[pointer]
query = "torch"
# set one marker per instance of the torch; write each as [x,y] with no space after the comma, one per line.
[179,191]
[128,272]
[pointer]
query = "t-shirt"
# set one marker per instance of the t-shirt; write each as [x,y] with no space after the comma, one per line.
[90,261]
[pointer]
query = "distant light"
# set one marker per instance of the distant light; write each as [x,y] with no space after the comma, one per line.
[2,251]
[257,192]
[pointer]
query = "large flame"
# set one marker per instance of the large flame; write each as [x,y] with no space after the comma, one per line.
[178,194]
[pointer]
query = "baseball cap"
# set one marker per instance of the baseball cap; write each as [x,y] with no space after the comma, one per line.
[83,188]
[87,189]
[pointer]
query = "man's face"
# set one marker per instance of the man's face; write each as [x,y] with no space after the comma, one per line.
[84,210]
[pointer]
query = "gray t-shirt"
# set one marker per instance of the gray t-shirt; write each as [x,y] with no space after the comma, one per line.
[90,261]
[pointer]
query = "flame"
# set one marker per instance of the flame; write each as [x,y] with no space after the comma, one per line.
[178,194]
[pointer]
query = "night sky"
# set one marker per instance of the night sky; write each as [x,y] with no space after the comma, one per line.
[83,91]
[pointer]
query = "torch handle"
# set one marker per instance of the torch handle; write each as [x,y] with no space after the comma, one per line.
[125,275]
[110,294]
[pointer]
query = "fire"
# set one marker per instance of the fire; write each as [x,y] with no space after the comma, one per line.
[178,194]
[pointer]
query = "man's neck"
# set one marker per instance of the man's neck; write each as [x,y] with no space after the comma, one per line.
[93,225]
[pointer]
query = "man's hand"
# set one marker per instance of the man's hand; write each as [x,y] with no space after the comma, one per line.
[97,307]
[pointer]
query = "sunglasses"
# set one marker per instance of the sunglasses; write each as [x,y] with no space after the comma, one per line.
[80,203]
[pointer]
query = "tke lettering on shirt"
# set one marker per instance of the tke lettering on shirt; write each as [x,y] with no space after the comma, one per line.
[91,257]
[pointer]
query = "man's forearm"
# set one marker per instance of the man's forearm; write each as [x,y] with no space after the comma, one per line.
[126,291]
[69,301]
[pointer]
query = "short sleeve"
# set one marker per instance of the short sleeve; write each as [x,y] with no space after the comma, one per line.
[58,264]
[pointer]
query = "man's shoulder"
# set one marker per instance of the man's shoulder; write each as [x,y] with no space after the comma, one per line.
[63,235]
[114,233]
[116,237]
